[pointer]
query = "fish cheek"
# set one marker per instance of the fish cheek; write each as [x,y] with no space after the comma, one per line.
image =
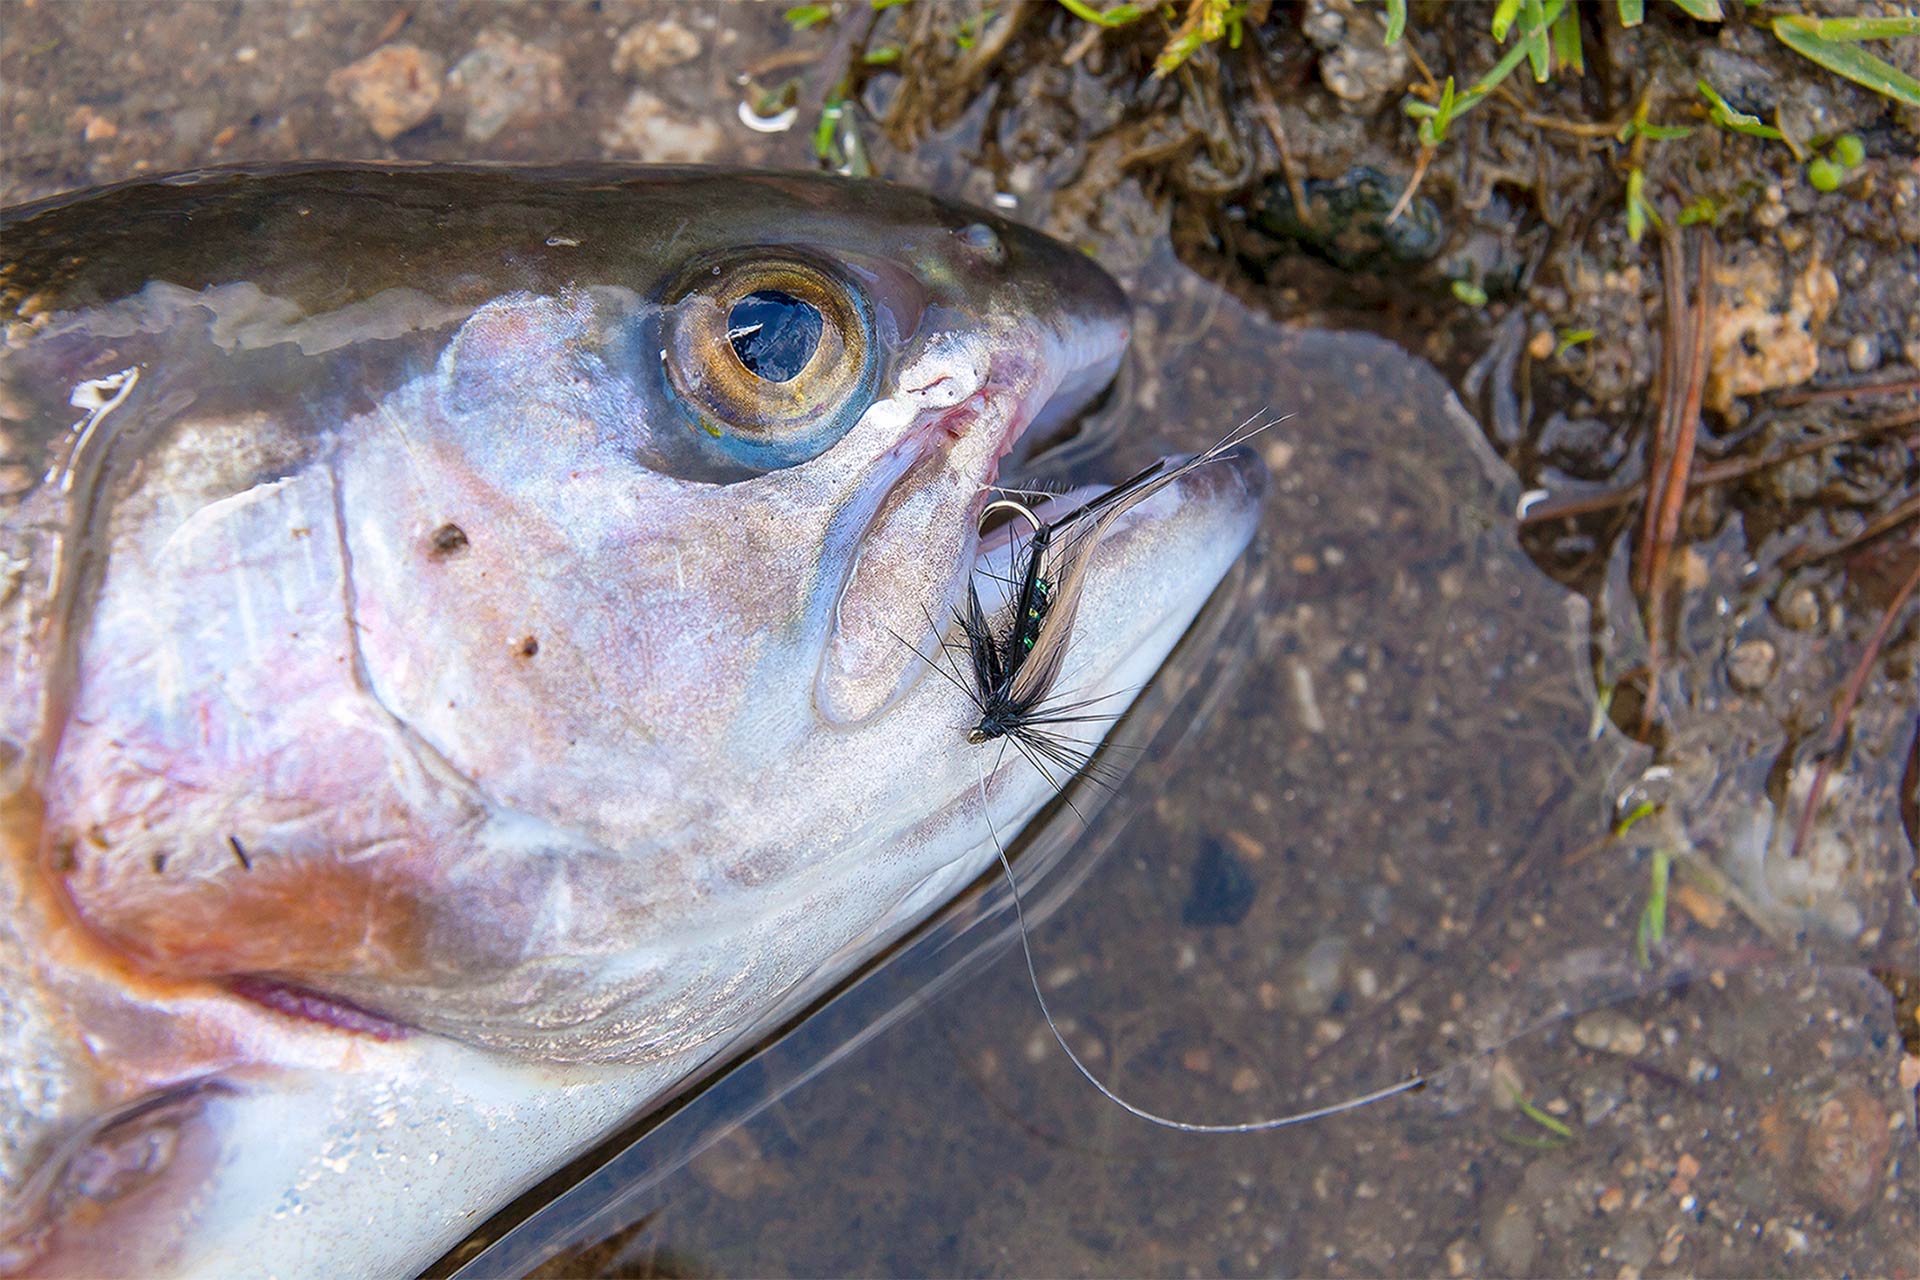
[903,584]
[310,917]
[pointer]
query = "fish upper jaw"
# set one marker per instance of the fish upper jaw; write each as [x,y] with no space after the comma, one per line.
[915,552]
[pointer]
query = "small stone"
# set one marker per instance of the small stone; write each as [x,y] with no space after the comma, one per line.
[1245,1080]
[1751,665]
[1634,1246]
[100,129]
[1198,1061]
[736,1168]
[1704,907]
[1609,1031]
[1222,891]
[393,88]
[1863,352]
[1798,607]
[1512,1241]
[1357,65]
[1315,977]
[504,80]
[1612,1200]
[1598,1101]
[1541,345]
[1846,1151]
[648,47]
[648,129]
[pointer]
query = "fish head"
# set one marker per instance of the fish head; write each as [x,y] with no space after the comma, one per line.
[579,697]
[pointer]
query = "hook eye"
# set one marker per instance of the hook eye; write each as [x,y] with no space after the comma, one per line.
[1020,509]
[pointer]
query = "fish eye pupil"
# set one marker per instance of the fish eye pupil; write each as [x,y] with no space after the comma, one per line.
[775,334]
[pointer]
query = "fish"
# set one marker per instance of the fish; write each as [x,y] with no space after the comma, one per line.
[470,663]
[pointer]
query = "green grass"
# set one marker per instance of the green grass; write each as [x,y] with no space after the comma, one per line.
[1653,917]
[1834,43]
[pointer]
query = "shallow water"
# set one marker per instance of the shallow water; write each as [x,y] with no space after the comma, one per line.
[1365,840]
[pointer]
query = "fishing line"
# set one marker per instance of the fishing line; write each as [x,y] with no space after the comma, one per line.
[1409,1085]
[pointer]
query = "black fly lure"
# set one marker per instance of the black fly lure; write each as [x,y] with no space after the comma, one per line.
[1014,660]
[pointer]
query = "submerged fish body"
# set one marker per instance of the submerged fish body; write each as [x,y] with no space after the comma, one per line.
[462,665]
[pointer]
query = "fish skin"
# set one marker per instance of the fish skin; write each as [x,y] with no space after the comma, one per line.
[333,913]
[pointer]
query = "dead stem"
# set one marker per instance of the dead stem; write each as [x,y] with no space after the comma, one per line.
[1593,131]
[1898,387]
[1683,390]
[1413,185]
[1713,473]
[1883,524]
[1269,113]
[1843,713]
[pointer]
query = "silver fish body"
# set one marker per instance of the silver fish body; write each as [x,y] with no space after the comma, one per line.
[464,665]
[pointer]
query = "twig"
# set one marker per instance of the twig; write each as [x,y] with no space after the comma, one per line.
[1679,432]
[1898,387]
[1714,473]
[1413,185]
[1844,712]
[1269,112]
[1886,523]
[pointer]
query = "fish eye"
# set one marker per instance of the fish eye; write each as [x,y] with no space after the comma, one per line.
[774,334]
[771,358]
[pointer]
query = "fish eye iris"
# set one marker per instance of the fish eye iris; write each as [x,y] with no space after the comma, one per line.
[774,334]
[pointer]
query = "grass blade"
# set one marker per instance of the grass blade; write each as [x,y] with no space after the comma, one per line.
[1861,28]
[1538,51]
[1566,43]
[1396,20]
[1848,60]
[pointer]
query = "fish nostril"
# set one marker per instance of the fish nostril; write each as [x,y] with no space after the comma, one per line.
[983,241]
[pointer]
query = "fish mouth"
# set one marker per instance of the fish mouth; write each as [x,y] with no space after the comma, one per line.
[1034,565]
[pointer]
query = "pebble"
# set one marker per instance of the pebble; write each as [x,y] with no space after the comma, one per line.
[394,88]
[1512,1241]
[1751,665]
[1798,607]
[504,80]
[648,47]
[1316,977]
[1609,1031]
[736,1168]
[1863,352]
[1357,65]
[1598,1101]
[1634,1245]
[647,129]
[1846,1151]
